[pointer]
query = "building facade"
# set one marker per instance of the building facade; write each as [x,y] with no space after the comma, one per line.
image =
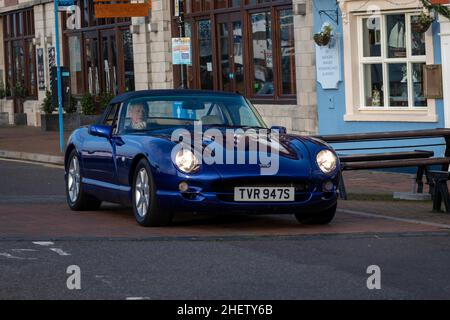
[370,78]
[381,57]
[262,49]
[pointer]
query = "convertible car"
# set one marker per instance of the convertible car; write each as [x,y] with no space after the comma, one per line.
[139,154]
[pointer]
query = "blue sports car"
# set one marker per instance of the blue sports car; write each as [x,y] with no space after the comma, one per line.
[170,151]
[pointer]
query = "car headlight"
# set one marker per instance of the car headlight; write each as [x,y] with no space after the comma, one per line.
[187,161]
[327,161]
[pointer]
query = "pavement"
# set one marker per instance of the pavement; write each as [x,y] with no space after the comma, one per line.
[31,144]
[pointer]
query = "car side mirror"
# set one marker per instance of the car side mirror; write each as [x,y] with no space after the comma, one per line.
[100,131]
[280,129]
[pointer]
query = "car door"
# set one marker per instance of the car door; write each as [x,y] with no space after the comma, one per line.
[98,153]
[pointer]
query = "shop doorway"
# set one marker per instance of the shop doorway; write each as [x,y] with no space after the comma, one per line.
[230,52]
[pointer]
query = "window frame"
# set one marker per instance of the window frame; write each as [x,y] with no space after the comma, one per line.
[385,61]
[244,11]
[25,39]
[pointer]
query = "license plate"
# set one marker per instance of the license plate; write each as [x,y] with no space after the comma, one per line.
[268,194]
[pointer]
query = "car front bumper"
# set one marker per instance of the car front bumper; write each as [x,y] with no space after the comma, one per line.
[212,203]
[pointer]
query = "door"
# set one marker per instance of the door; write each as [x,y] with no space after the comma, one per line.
[98,154]
[230,52]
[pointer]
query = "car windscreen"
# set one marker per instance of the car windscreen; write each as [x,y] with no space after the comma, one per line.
[152,113]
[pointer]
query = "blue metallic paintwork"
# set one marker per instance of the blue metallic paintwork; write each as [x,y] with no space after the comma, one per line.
[106,171]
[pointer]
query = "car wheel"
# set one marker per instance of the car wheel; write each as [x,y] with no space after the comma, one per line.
[145,204]
[77,199]
[322,217]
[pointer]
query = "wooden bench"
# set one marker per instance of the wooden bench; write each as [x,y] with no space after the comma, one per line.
[422,159]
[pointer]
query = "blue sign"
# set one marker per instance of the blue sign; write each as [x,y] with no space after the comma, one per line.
[64,4]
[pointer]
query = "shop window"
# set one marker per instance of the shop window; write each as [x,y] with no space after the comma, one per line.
[248,48]
[20,52]
[100,54]
[392,59]
[76,72]
[262,54]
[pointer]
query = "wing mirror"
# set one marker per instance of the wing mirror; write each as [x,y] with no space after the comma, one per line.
[280,129]
[101,131]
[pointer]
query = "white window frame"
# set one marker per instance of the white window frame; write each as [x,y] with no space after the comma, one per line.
[354,86]
[384,60]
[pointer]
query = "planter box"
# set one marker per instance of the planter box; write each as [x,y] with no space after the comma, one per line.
[50,122]
[4,118]
[20,119]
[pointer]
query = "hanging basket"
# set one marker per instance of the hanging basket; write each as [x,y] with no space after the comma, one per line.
[420,27]
[322,39]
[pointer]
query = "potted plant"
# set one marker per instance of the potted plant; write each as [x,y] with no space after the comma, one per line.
[105,100]
[47,105]
[323,37]
[19,94]
[421,23]
[88,104]
[89,110]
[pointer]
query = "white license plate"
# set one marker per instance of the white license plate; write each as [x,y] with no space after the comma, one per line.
[273,194]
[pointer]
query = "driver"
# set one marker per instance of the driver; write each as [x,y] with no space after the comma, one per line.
[139,114]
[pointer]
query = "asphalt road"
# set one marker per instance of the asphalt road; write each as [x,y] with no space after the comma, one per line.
[255,263]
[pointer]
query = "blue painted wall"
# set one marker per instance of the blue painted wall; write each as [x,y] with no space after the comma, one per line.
[331,103]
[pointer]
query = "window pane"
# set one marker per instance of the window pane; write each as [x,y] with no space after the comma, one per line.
[128,60]
[396,36]
[371,37]
[225,56]
[238,57]
[31,69]
[206,54]
[398,85]
[262,53]
[417,41]
[373,81]
[417,78]
[76,74]
[287,52]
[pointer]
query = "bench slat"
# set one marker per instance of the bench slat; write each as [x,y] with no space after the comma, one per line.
[395,163]
[417,154]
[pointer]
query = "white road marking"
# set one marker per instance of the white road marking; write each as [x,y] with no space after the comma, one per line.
[9,256]
[44,243]
[59,251]
[137,298]
[373,215]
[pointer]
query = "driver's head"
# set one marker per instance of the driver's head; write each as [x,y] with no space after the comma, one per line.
[138,112]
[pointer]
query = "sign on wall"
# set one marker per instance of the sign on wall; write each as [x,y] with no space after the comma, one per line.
[122,8]
[41,69]
[64,4]
[181,51]
[328,64]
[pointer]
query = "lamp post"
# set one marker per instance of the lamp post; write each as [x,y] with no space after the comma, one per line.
[59,80]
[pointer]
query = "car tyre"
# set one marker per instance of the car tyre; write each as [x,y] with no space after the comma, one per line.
[317,218]
[145,204]
[77,199]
